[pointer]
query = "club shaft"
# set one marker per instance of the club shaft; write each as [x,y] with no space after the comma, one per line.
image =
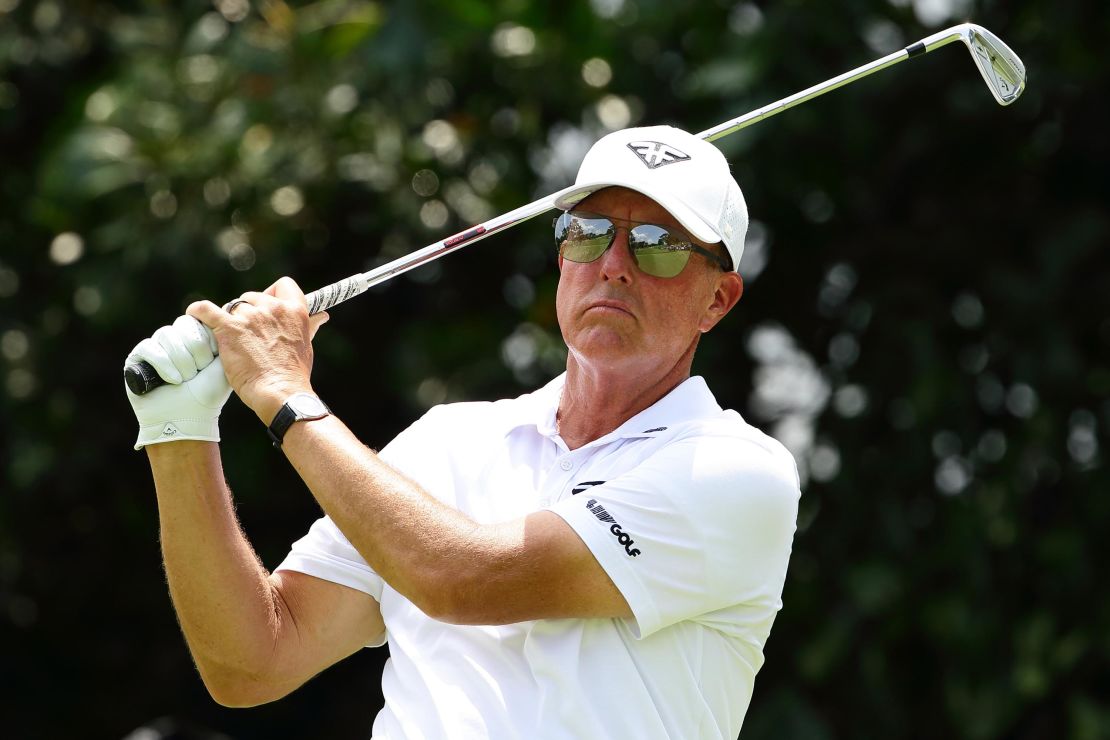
[921,47]
[326,297]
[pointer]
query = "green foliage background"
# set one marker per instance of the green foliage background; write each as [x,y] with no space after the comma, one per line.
[926,319]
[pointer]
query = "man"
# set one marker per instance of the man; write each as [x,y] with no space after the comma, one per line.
[602,558]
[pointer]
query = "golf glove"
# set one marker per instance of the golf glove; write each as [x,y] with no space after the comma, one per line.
[184,355]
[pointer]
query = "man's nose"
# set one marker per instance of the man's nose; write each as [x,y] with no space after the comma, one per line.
[617,262]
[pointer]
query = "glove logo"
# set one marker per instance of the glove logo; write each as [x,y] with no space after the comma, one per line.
[170,431]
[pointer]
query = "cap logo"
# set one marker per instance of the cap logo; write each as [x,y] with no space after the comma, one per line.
[655,154]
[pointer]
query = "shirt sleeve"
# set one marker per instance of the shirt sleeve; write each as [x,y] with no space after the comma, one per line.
[705,523]
[326,553]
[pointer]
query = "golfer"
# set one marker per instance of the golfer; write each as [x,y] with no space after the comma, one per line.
[601,558]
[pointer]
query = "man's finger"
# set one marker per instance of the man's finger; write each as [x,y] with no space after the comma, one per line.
[198,340]
[254,298]
[208,313]
[149,350]
[316,321]
[173,344]
[287,290]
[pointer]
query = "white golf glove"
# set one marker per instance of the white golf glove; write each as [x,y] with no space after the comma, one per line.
[184,355]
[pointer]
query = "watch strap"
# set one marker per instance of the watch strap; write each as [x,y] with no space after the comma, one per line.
[281,423]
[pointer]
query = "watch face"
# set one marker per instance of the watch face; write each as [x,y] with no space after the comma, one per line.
[307,406]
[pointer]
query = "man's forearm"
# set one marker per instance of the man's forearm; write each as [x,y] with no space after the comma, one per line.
[220,591]
[451,567]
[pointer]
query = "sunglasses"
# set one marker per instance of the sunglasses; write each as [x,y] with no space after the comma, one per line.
[658,251]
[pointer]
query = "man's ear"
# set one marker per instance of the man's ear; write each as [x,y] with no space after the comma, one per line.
[726,294]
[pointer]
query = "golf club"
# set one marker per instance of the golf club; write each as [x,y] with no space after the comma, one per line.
[1000,67]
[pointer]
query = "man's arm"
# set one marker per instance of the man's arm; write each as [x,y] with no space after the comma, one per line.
[453,568]
[448,565]
[254,636]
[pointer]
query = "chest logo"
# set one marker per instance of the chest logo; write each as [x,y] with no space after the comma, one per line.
[580,487]
[622,537]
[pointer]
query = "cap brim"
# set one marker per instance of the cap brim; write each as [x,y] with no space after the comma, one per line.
[570,197]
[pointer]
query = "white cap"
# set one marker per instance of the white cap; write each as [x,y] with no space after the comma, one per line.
[686,175]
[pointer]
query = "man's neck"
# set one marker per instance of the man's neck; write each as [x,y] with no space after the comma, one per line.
[595,402]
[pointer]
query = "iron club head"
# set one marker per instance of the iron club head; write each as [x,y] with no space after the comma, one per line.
[1001,68]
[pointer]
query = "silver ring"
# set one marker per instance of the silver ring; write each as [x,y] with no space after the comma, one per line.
[230,306]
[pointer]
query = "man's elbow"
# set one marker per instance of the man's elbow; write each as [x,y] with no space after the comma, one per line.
[235,699]
[444,604]
[241,691]
[490,595]
[455,598]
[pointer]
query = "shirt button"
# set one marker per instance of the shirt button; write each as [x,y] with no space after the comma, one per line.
[566,464]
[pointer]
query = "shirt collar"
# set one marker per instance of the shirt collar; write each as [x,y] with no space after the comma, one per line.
[690,399]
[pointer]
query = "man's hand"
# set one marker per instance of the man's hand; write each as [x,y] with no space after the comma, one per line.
[265,343]
[189,407]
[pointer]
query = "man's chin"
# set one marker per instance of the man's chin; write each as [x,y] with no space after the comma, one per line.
[600,341]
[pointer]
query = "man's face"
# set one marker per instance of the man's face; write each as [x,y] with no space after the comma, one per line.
[616,317]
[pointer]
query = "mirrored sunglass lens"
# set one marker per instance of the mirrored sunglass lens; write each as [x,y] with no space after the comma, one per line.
[583,239]
[657,252]
[664,263]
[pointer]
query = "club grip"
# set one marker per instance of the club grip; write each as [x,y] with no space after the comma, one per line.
[141,377]
[330,295]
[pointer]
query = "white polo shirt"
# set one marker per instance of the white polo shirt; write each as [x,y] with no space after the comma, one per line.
[689,510]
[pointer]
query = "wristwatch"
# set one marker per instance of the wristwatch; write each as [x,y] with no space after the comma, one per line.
[298,407]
